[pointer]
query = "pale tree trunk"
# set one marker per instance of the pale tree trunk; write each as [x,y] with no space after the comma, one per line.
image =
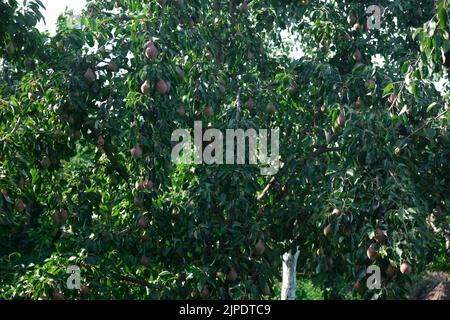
[289,285]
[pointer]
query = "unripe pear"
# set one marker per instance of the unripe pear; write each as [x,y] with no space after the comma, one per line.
[145,88]
[327,230]
[11,48]
[151,52]
[136,152]
[260,247]
[89,75]
[161,87]
[357,56]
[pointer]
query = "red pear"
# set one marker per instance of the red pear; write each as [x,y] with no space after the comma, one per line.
[260,247]
[209,111]
[405,268]
[89,75]
[336,212]
[341,120]
[32,96]
[20,205]
[143,222]
[145,261]
[45,162]
[84,290]
[151,52]
[380,235]
[244,6]
[100,141]
[180,73]
[351,19]
[266,290]
[371,253]
[58,295]
[181,111]
[327,230]
[112,66]
[232,275]
[249,103]
[357,56]
[270,108]
[205,292]
[162,87]
[136,152]
[145,88]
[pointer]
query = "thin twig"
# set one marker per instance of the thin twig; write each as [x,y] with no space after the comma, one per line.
[427,123]
[16,126]
[403,85]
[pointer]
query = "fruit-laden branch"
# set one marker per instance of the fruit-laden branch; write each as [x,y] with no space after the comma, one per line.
[427,123]
[115,164]
[134,280]
[412,68]
[319,150]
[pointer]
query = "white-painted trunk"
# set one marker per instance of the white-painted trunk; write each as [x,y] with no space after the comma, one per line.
[289,285]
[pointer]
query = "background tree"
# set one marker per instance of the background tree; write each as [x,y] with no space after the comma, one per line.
[86,122]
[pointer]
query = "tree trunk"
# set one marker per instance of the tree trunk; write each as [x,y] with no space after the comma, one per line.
[289,285]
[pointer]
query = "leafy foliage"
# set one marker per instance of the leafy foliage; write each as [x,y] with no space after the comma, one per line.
[363,129]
